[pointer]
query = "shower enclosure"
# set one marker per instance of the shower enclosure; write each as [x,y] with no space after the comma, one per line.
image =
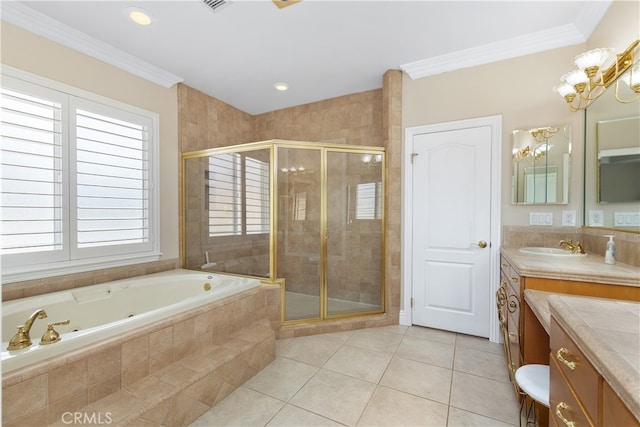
[309,216]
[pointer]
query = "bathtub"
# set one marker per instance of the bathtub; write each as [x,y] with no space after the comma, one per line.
[102,311]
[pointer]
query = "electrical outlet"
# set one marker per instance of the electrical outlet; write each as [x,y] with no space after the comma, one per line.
[569,218]
[596,218]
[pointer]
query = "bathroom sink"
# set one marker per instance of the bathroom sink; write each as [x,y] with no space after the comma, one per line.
[549,252]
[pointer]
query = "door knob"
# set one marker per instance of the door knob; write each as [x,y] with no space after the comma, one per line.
[482,244]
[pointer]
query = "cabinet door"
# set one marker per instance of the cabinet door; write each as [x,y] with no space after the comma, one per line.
[614,412]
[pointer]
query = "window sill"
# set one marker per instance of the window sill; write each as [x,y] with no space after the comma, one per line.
[31,272]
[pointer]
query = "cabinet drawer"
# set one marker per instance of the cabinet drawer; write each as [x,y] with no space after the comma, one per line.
[563,406]
[582,377]
[614,411]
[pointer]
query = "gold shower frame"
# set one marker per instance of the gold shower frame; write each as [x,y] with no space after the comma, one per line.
[324,149]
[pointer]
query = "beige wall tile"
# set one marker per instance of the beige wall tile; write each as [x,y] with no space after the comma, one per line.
[24,398]
[135,352]
[107,386]
[69,403]
[104,365]
[161,341]
[68,380]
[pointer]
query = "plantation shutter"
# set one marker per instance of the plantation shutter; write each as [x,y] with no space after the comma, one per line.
[256,196]
[112,178]
[237,195]
[32,171]
[224,200]
[369,200]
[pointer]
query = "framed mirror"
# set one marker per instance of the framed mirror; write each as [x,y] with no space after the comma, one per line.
[541,160]
[612,160]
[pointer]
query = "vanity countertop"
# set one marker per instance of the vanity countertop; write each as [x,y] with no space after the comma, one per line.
[608,333]
[588,268]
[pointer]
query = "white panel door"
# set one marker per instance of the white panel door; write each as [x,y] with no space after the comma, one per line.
[451,222]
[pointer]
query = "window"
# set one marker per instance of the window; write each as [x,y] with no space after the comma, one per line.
[77,174]
[237,195]
[369,200]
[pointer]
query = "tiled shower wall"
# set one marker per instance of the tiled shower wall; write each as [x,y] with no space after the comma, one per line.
[371,118]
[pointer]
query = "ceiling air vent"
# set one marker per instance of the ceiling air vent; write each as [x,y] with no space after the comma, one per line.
[215,5]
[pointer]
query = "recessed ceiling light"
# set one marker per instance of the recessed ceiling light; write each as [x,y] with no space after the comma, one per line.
[281,86]
[139,16]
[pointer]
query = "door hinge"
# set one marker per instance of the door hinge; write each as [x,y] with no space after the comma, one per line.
[413,155]
[411,302]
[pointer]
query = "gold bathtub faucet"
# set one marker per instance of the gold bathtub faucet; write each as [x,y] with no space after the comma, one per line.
[575,248]
[22,339]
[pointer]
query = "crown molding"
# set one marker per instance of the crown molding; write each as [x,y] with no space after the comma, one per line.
[38,23]
[540,41]
[590,16]
[578,32]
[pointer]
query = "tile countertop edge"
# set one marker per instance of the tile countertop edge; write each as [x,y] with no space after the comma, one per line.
[590,268]
[606,360]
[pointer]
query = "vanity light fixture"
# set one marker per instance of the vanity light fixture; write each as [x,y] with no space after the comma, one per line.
[139,16]
[581,87]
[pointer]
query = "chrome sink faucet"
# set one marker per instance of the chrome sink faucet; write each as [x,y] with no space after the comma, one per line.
[22,339]
[569,245]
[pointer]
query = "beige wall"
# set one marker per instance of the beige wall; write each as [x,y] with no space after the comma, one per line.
[37,55]
[520,90]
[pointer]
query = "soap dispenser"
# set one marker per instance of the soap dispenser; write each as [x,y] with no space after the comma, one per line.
[610,253]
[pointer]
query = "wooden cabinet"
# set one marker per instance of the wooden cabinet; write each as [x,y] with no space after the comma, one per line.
[578,394]
[572,371]
[508,301]
[525,339]
[614,411]
[531,345]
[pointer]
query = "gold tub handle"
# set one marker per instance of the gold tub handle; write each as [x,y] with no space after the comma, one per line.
[560,356]
[51,335]
[559,407]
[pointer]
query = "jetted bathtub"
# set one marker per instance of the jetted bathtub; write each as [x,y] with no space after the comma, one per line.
[102,311]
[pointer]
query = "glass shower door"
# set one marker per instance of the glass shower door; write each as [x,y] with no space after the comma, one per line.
[299,226]
[354,225]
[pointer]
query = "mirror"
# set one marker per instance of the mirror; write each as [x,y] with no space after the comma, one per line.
[541,165]
[612,161]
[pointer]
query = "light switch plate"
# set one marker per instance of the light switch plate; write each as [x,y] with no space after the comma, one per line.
[569,218]
[540,218]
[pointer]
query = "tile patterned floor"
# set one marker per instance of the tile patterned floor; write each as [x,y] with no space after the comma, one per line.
[391,376]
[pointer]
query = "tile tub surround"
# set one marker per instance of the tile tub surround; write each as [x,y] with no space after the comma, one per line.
[592,238]
[607,332]
[589,268]
[44,391]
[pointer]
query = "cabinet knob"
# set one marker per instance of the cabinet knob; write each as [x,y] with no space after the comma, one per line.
[560,355]
[559,407]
